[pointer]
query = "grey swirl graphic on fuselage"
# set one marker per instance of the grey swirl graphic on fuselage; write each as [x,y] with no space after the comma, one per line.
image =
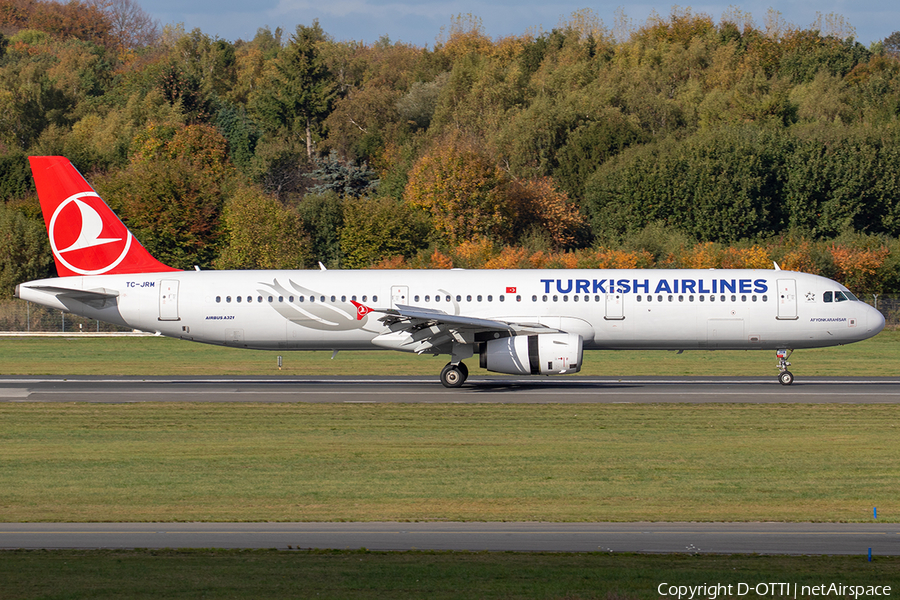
[326,316]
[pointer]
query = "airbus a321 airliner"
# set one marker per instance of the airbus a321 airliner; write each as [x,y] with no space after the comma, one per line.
[519,322]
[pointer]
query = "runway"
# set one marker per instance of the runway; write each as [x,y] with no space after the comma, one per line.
[692,538]
[485,389]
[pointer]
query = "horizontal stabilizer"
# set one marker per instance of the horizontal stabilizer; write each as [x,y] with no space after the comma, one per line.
[98,298]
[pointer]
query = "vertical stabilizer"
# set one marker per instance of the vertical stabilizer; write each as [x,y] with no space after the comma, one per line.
[86,236]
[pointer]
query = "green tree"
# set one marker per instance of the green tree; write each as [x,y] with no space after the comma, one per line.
[15,176]
[719,185]
[322,216]
[260,233]
[345,178]
[298,89]
[173,193]
[843,179]
[242,134]
[24,250]
[379,228]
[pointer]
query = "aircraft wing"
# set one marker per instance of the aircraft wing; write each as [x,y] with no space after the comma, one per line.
[438,317]
[423,330]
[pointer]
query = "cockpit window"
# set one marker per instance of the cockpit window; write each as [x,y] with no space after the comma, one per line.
[852,296]
[838,296]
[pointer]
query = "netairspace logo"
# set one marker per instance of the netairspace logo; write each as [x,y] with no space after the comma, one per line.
[771,590]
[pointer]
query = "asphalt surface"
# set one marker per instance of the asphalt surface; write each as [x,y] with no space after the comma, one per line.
[721,538]
[763,538]
[428,390]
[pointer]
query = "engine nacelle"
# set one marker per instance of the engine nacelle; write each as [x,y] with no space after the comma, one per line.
[545,354]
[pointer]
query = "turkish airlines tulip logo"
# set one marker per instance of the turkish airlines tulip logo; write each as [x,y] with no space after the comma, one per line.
[80,239]
[361,310]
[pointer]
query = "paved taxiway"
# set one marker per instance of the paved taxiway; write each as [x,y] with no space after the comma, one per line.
[768,538]
[729,538]
[429,390]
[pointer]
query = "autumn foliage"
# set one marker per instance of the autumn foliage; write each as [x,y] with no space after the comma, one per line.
[681,142]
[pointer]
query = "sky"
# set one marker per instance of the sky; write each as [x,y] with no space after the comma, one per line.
[420,22]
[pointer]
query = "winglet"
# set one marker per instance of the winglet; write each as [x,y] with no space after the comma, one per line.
[86,236]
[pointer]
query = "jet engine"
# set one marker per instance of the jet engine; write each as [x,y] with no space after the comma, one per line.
[544,354]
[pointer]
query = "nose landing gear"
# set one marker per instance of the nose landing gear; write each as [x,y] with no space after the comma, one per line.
[785,377]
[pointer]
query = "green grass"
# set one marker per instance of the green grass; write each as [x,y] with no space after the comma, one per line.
[269,574]
[312,462]
[163,356]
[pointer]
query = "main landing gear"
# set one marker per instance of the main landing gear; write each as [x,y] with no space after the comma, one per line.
[785,377]
[453,376]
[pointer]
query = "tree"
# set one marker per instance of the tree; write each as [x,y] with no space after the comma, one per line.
[462,189]
[379,228]
[323,217]
[344,178]
[298,91]
[540,205]
[24,250]
[721,185]
[130,25]
[892,44]
[241,132]
[173,193]
[260,233]
[843,179]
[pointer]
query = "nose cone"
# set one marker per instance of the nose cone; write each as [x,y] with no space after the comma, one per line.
[874,322]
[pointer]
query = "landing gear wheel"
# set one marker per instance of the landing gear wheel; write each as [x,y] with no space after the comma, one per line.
[465,371]
[452,376]
[785,377]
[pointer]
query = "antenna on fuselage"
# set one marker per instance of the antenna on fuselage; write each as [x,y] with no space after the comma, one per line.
[777,268]
[321,266]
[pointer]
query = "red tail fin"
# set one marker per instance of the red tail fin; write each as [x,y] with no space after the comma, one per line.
[86,236]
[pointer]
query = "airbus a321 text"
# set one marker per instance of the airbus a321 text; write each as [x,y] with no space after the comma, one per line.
[519,322]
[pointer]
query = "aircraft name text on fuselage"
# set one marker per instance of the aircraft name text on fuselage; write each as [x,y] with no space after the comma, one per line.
[662,286]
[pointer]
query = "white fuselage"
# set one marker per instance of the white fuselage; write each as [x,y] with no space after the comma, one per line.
[609,309]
